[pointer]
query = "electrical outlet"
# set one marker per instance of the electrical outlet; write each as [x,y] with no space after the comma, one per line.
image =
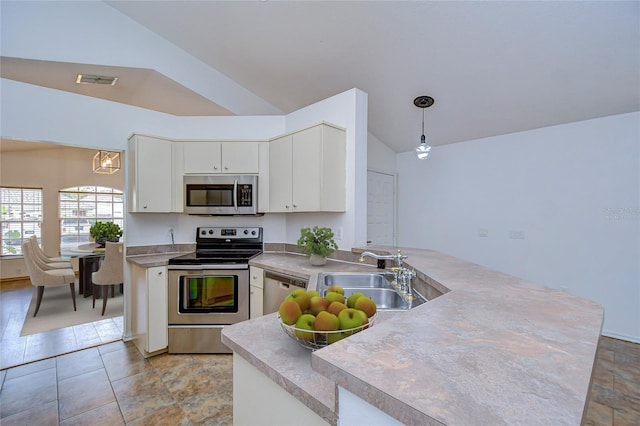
[516,234]
[483,232]
[337,233]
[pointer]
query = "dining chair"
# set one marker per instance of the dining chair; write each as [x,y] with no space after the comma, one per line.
[62,262]
[110,273]
[41,278]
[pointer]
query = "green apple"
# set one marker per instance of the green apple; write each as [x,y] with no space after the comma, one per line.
[326,321]
[365,319]
[332,296]
[312,293]
[301,297]
[289,312]
[351,300]
[318,304]
[334,337]
[336,307]
[305,322]
[367,305]
[349,318]
[336,289]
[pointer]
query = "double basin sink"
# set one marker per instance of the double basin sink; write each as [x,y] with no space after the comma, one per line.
[377,286]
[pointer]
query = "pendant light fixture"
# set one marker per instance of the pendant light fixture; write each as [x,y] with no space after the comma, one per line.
[106,162]
[423,150]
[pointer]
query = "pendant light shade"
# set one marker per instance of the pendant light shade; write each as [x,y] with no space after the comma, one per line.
[423,150]
[106,162]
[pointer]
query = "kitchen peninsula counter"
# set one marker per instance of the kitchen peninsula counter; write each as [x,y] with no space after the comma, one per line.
[493,349]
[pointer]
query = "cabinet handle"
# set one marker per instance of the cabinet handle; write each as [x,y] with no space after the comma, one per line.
[215,167]
[226,167]
[295,206]
[286,206]
[144,207]
[160,273]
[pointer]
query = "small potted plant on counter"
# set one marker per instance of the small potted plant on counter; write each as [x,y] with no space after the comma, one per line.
[317,243]
[102,232]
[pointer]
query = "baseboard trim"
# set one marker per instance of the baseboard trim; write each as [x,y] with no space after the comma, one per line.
[624,337]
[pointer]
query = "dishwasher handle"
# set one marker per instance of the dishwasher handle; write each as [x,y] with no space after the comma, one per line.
[286,281]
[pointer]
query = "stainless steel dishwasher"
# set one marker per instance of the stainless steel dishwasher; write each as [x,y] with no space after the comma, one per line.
[276,288]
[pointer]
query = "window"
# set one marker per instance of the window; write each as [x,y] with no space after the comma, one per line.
[82,206]
[21,217]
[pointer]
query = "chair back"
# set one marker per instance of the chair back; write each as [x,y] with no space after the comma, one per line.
[112,268]
[42,276]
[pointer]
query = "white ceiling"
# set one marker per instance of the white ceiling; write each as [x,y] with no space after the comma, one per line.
[492,67]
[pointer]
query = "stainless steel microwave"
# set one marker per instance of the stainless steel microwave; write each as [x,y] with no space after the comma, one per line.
[221,195]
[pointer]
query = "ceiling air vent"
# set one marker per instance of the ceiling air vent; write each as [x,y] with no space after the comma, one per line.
[96,79]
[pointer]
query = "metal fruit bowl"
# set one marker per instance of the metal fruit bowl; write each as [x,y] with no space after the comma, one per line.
[313,340]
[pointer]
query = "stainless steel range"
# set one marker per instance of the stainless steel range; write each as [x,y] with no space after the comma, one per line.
[209,288]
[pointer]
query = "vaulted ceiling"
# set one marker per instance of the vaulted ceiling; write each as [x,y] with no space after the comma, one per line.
[493,67]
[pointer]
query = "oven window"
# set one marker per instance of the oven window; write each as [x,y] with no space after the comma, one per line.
[213,196]
[208,294]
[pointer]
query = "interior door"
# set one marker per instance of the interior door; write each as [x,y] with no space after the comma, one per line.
[381,207]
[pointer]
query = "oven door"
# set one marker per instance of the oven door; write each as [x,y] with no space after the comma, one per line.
[205,296]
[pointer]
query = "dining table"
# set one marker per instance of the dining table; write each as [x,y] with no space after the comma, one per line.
[89,258]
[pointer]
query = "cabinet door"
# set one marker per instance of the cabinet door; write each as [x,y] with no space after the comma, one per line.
[256,292]
[240,157]
[202,157]
[150,174]
[157,308]
[280,168]
[306,165]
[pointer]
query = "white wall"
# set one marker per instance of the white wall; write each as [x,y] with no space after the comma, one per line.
[380,157]
[572,190]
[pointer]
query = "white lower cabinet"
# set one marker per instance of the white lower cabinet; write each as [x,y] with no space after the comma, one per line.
[258,400]
[256,291]
[149,319]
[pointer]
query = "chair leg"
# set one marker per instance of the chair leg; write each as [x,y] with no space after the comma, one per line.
[93,291]
[39,299]
[105,296]
[73,294]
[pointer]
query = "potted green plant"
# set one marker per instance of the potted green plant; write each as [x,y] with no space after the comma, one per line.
[317,243]
[105,231]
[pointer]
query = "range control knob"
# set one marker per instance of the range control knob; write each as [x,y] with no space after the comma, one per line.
[253,232]
[210,231]
[246,231]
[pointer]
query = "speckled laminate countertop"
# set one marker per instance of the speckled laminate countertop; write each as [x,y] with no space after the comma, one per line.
[494,349]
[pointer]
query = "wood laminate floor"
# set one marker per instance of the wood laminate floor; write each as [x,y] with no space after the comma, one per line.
[113,384]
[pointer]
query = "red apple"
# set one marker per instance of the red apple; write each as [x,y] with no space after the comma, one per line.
[336,289]
[301,297]
[326,321]
[289,312]
[336,307]
[366,304]
[318,304]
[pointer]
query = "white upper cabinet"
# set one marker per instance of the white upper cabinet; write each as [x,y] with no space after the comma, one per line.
[206,157]
[151,175]
[307,171]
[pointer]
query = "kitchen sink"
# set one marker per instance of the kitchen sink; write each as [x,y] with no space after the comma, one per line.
[354,280]
[376,286]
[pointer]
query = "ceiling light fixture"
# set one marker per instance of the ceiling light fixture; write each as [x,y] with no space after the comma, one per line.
[96,79]
[423,150]
[106,162]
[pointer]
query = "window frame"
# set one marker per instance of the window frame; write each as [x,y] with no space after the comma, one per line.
[84,205]
[28,222]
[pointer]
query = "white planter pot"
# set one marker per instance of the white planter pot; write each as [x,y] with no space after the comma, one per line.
[317,260]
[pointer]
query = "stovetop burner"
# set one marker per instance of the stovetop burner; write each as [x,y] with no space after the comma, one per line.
[217,245]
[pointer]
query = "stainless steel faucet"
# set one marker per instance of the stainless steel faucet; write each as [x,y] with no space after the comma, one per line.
[402,276]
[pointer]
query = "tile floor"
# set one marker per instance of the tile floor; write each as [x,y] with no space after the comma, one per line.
[113,384]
